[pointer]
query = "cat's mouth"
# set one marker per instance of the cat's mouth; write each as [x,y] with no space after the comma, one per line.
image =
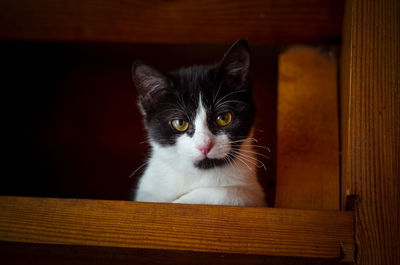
[208,163]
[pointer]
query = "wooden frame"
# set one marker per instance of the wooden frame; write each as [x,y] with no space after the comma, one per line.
[198,228]
[212,21]
[370,111]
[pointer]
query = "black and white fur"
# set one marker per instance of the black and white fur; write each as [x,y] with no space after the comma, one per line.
[178,169]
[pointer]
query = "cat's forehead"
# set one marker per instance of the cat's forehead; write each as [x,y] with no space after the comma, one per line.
[194,81]
[195,72]
[195,77]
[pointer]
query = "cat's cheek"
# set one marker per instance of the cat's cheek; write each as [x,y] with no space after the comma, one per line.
[221,148]
[185,148]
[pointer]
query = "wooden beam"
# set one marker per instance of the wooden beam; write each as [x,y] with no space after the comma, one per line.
[211,21]
[370,111]
[198,228]
[308,133]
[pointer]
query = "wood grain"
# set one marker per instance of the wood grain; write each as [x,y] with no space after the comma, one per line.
[308,134]
[199,228]
[211,21]
[371,126]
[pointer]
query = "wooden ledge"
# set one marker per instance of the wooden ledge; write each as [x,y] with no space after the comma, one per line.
[134,21]
[178,227]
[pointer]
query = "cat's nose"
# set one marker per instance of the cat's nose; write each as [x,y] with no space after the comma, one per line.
[205,149]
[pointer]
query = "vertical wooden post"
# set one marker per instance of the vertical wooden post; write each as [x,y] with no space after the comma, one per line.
[308,135]
[370,111]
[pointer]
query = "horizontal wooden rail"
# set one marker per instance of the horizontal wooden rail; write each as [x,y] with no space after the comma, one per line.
[210,21]
[198,228]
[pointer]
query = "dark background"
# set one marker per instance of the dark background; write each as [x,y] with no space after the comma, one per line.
[71,127]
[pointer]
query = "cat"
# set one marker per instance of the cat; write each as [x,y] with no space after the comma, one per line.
[199,123]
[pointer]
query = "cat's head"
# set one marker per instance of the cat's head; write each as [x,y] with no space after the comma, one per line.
[200,114]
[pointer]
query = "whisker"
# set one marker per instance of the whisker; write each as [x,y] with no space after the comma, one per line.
[258,146]
[248,151]
[181,102]
[244,156]
[248,156]
[227,95]
[248,160]
[177,110]
[233,159]
[251,145]
[221,146]
[244,140]
[230,158]
[220,105]
[240,159]
[134,172]
[235,101]
[216,95]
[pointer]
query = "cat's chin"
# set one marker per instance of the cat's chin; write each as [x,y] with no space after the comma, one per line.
[208,163]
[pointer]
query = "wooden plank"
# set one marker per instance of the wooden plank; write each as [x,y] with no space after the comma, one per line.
[211,21]
[199,228]
[308,134]
[371,126]
[346,51]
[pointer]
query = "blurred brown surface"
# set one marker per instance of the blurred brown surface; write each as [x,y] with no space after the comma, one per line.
[308,134]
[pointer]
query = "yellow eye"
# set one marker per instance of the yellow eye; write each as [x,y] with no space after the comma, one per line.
[180,125]
[224,119]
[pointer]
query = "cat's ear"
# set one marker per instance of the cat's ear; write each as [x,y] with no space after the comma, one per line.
[235,66]
[147,79]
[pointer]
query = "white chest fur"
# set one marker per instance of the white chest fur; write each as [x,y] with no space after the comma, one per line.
[171,177]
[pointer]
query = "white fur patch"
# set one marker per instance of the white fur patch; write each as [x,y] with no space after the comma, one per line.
[187,146]
[171,175]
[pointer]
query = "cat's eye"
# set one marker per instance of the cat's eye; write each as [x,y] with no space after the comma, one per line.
[180,125]
[224,119]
